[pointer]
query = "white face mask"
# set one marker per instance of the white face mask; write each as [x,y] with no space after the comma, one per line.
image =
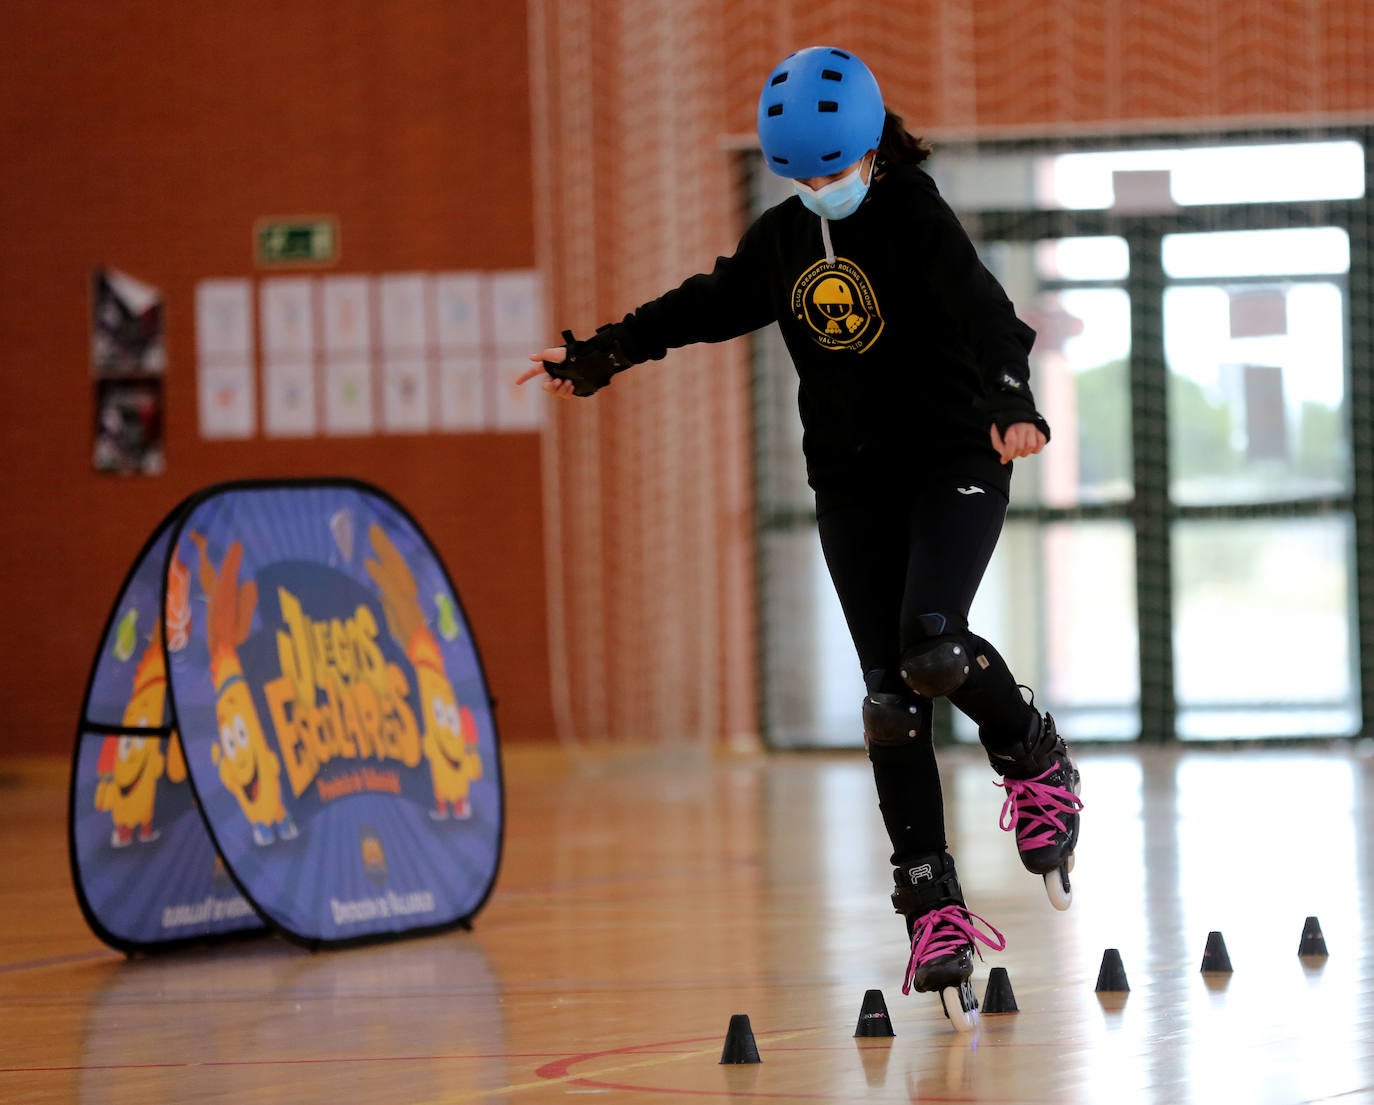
[840,198]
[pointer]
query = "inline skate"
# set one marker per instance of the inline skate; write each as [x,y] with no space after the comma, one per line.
[944,935]
[1042,805]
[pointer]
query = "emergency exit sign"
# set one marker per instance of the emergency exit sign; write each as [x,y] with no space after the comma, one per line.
[300,240]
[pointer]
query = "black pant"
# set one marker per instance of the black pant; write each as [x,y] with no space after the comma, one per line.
[896,554]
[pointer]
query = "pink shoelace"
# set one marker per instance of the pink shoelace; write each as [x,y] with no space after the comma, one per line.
[1041,804]
[944,931]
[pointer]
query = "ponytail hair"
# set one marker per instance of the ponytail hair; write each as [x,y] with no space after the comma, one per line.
[898,146]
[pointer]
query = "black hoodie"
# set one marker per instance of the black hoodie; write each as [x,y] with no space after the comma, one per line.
[906,347]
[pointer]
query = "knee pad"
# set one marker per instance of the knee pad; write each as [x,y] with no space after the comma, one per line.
[936,665]
[890,721]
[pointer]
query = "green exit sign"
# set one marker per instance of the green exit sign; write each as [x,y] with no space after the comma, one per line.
[300,240]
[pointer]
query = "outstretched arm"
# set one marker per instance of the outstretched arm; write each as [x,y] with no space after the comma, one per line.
[731,300]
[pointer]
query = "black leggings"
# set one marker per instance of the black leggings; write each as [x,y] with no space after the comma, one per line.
[893,556]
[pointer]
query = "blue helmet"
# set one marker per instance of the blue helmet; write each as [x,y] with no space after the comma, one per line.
[820,110]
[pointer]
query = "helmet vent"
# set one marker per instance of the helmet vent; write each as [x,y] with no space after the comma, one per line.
[780,160]
[774,109]
[781,78]
[830,156]
[827,105]
[841,54]
[831,75]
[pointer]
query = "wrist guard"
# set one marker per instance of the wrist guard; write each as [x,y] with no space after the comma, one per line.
[589,364]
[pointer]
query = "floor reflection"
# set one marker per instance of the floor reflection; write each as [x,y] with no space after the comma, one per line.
[645,900]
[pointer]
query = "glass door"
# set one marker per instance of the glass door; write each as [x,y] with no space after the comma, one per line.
[1263,549]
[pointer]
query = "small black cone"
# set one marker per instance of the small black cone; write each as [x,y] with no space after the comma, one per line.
[1214,956]
[739,1042]
[998,998]
[1111,977]
[1313,942]
[873,1018]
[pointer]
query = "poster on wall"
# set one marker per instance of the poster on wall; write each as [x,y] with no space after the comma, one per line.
[127,326]
[348,408]
[405,315]
[462,394]
[227,398]
[458,311]
[406,407]
[516,316]
[325,706]
[128,362]
[224,350]
[288,356]
[128,426]
[348,376]
[288,398]
[516,309]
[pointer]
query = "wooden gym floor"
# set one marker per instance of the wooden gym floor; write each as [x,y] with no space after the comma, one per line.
[645,899]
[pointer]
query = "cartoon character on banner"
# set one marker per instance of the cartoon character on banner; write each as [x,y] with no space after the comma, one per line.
[248,767]
[130,766]
[450,732]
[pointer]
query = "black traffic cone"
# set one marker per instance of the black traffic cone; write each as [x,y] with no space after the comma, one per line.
[1111,976]
[998,998]
[1313,942]
[873,1018]
[1214,956]
[739,1042]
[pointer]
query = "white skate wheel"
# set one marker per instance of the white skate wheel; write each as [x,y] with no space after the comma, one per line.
[960,1006]
[963,1020]
[1057,887]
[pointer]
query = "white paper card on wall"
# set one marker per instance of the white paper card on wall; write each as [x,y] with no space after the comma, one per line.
[404,313]
[224,321]
[405,395]
[462,396]
[517,316]
[288,398]
[346,314]
[518,406]
[227,406]
[288,318]
[348,396]
[458,310]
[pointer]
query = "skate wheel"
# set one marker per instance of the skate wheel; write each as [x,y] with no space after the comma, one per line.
[960,1006]
[1058,888]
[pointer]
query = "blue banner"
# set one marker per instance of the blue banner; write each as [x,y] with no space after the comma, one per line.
[333,710]
[145,869]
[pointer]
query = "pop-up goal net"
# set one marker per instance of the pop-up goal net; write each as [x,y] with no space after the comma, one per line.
[287,726]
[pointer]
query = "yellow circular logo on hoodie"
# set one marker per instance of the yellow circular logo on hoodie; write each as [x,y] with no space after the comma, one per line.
[837,302]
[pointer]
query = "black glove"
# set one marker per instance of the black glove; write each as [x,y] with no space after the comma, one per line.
[1010,403]
[589,364]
